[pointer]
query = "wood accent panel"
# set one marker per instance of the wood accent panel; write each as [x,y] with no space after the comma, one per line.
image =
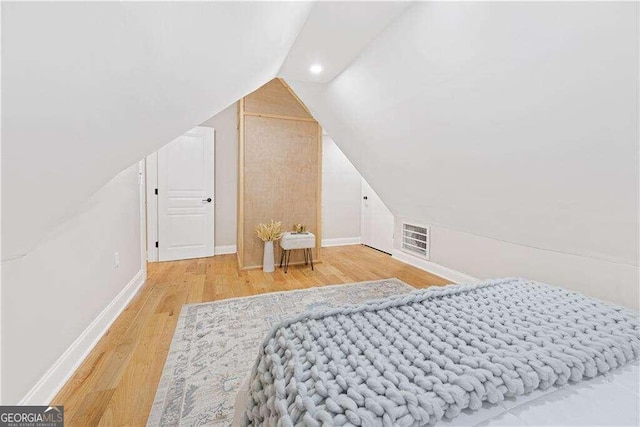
[278,116]
[319,194]
[116,383]
[282,171]
[240,201]
[278,140]
[274,98]
[286,86]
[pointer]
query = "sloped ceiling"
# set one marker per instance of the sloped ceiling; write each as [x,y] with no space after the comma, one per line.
[89,88]
[334,35]
[515,121]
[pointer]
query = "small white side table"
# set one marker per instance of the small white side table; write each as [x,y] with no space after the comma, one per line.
[292,241]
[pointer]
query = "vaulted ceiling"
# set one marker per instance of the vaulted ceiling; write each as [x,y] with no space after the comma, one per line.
[334,35]
[490,118]
[514,121]
[90,88]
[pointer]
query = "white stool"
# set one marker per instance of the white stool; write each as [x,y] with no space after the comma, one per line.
[291,241]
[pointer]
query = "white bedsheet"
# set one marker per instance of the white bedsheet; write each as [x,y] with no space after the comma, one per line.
[607,400]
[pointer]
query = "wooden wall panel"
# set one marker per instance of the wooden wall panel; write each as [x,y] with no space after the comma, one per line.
[280,169]
[282,172]
[275,99]
[240,207]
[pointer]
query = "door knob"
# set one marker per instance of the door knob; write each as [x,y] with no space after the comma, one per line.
[208,200]
[365,198]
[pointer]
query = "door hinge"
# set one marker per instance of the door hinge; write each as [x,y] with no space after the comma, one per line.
[156,191]
[156,244]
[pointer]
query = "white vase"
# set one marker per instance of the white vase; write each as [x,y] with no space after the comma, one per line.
[267,260]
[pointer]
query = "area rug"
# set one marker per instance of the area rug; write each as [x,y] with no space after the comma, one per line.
[215,345]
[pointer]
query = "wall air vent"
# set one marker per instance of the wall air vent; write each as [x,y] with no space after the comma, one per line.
[416,240]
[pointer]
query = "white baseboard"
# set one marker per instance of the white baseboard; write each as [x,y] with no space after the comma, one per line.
[56,377]
[224,250]
[433,268]
[341,241]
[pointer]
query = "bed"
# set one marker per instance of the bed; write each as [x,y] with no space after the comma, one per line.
[501,352]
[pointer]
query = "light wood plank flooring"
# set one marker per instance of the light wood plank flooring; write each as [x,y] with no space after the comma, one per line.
[116,384]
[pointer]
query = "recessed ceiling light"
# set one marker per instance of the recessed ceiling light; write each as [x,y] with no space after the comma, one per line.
[316,68]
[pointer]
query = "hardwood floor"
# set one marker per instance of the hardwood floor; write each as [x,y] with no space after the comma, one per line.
[116,384]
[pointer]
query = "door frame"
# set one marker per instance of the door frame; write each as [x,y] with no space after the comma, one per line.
[151,162]
[367,209]
[142,179]
[151,166]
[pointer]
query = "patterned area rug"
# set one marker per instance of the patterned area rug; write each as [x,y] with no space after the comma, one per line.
[215,345]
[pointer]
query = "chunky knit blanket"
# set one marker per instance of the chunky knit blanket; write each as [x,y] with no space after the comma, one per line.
[416,359]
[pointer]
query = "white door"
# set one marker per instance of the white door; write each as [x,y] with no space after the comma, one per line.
[376,222]
[185,196]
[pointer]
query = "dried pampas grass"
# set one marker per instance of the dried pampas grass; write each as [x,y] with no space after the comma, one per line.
[269,232]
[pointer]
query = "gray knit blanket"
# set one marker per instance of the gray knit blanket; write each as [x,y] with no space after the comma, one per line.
[418,358]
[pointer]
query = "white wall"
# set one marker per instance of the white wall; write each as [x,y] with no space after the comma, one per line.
[54,292]
[517,122]
[225,124]
[341,196]
[485,258]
